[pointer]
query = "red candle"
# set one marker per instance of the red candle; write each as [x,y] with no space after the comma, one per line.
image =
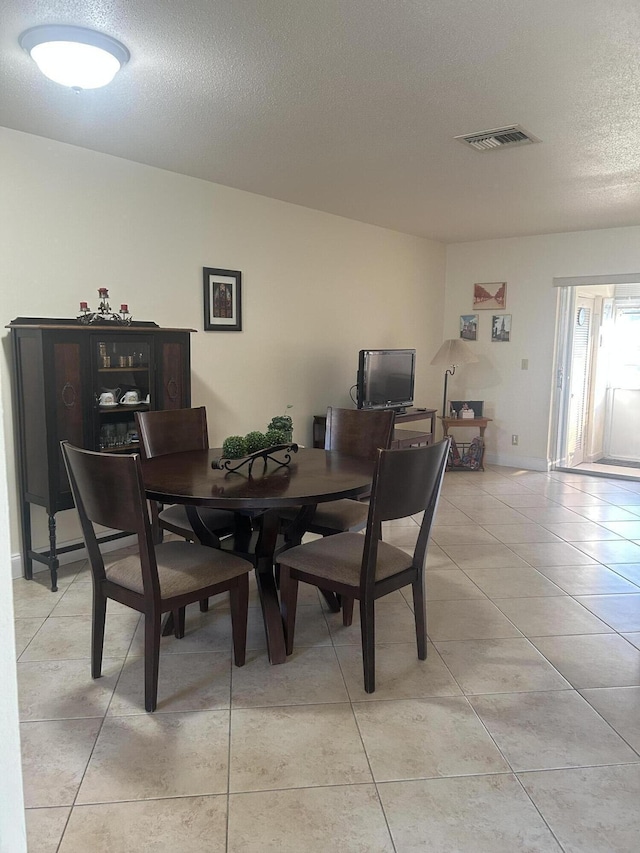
[84,306]
[124,308]
[103,293]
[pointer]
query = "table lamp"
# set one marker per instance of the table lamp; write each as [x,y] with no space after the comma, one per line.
[453,353]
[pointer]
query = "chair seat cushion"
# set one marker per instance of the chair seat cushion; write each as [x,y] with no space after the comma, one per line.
[182,568]
[339,558]
[336,515]
[215,519]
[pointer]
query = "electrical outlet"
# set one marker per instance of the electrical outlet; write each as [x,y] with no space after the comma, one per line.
[524,364]
[514,439]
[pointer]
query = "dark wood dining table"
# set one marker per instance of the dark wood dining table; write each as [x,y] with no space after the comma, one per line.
[312,477]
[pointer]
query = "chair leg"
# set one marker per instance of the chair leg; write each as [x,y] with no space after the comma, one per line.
[239,596]
[204,605]
[97,632]
[288,605]
[157,533]
[367,631]
[333,601]
[420,612]
[152,627]
[347,611]
[178,623]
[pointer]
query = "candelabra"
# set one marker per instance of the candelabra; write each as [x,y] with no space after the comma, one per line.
[104,314]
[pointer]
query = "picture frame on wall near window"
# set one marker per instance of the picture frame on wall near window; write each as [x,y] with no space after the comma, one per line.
[222,300]
[490,294]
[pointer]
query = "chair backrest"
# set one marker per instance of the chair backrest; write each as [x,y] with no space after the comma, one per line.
[405,482]
[108,490]
[359,432]
[172,431]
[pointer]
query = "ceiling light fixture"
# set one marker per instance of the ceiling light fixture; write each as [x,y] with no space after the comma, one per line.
[74,56]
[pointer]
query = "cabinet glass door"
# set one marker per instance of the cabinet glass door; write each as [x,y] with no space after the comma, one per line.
[122,386]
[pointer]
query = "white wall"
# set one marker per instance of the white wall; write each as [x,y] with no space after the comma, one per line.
[316,288]
[519,400]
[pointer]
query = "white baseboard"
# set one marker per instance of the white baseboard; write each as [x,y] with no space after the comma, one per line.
[70,556]
[531,463]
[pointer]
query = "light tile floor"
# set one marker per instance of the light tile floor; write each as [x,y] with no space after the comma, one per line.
[519,733]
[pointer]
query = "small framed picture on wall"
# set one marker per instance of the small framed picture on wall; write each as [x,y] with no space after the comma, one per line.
[222,300]
[490,294]
[501,328]
[469,327]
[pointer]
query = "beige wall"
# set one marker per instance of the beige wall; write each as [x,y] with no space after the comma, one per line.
[520,400]
[316,288]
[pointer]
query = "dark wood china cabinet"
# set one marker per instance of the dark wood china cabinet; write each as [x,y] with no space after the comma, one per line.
[83,384]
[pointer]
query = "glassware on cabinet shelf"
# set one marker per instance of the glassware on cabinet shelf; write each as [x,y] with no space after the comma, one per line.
[107,436]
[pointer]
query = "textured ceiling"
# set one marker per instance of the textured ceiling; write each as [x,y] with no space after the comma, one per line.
[351,106]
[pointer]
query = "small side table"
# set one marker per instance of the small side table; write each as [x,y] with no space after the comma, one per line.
[475,423]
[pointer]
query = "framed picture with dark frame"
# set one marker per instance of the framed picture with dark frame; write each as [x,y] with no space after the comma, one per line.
[222,300]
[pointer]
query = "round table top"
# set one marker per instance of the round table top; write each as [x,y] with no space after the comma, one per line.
[313,476]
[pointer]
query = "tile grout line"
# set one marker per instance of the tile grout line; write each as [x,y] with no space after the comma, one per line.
[542,817]
[104,717]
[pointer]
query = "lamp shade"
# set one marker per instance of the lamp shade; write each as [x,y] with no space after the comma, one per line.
[454,352]
[74,56]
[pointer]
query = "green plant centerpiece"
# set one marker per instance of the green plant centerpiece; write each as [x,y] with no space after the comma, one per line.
[259,445]
[277,436]
[234,447]
[283,423]
[255,441]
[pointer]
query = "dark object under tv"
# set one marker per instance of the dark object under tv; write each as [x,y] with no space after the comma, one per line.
[386,378]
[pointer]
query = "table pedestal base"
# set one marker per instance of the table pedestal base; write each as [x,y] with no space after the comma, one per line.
[265,578]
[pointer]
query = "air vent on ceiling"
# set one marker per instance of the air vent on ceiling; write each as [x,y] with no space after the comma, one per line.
[499,137]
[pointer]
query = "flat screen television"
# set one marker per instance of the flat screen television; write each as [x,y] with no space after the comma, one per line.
[386,378]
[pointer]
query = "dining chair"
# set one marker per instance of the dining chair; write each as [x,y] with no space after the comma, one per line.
[173,431]
[405,482]
[360,433]
[355,432]
[108,490]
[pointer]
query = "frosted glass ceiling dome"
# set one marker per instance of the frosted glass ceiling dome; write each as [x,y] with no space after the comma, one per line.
[75,56]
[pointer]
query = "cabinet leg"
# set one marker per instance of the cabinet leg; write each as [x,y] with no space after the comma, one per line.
[27,562]
[53,557]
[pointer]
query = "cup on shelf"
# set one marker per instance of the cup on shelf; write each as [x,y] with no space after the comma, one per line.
[130,398]
[107,398]
[105,360]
